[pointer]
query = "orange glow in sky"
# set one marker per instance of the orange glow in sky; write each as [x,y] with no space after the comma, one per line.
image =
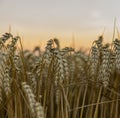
[37,21]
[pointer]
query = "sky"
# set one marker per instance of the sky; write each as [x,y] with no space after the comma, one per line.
[37,21]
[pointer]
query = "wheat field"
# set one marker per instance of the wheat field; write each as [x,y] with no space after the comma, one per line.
[59,83]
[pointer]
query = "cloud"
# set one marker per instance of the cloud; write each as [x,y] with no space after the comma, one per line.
[1,2]
[96,14]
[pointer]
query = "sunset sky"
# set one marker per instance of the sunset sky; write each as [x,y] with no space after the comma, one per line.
[36,21]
